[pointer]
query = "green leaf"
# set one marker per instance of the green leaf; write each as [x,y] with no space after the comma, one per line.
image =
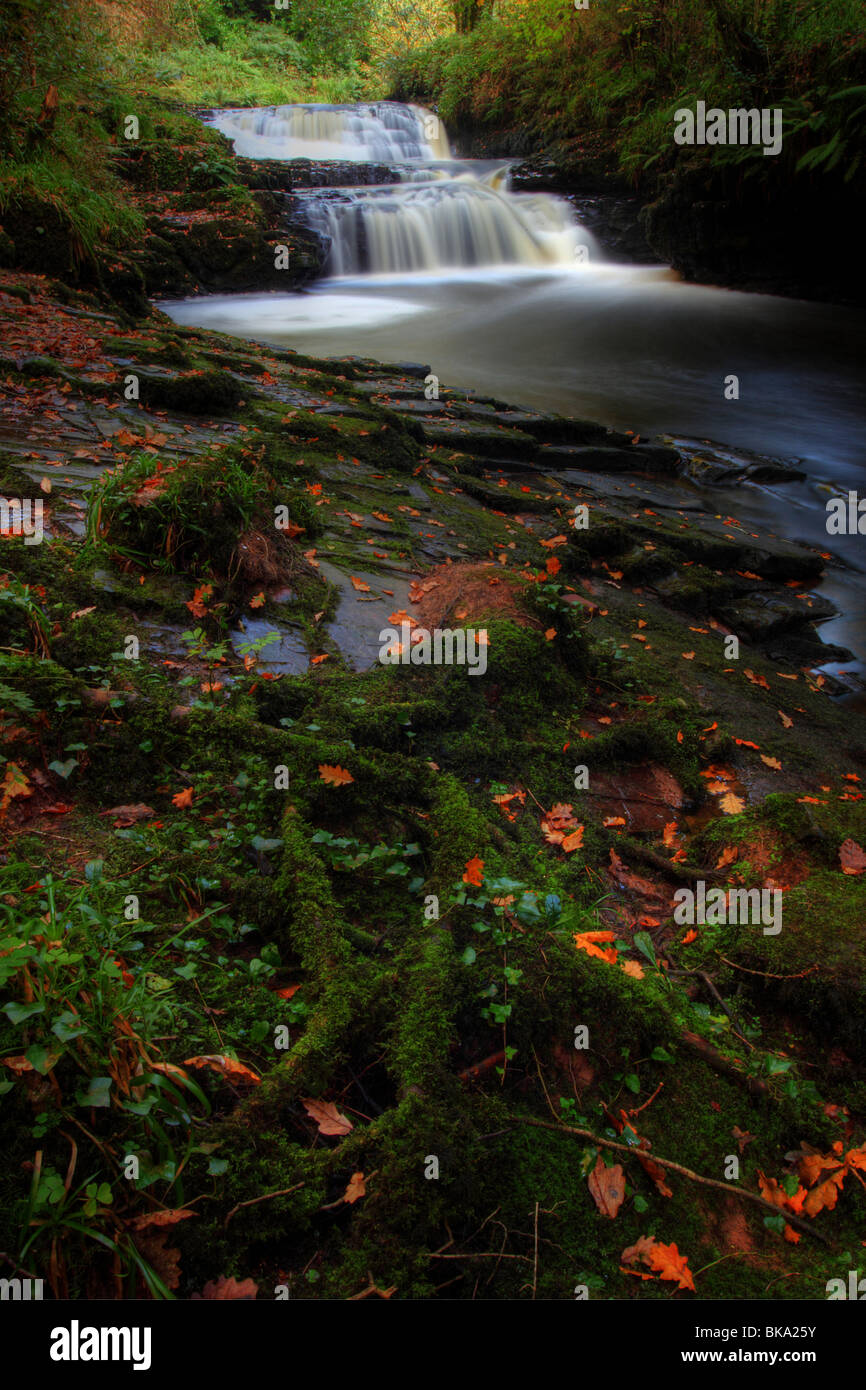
[63,770]
[17,1013]
[643,941]
[98,1093]
[469,956]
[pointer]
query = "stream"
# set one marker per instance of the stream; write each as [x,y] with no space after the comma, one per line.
[508,294]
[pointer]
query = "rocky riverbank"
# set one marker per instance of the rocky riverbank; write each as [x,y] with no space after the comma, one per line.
[374,901]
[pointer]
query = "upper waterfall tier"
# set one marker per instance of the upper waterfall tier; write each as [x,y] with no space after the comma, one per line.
[379,133]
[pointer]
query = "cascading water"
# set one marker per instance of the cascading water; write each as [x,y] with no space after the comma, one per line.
[380,133]
[438,217]
[455,223]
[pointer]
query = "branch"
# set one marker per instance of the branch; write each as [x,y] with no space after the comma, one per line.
[725,1187]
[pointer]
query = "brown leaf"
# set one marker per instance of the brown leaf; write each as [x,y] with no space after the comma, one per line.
[852,857]
[223,1288]
[607,1187]
[355,1189]
[327,1116]
[128,815]
[226,1066]
[732,805]
[160,1218]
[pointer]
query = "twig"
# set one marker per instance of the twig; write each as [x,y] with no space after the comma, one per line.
[265,1197]
[766,975]
[727,1188]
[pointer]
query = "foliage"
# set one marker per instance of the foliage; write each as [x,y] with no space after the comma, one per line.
[625,68]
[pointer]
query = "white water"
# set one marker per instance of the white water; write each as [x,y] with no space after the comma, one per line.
[453,223]
[384,132]
[491,290]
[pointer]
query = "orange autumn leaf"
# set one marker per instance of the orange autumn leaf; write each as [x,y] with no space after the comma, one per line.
[756,680]
[183,799]
[327,1116]
[824,1196]
[359,585]
[670,834]
[335,776]
[727,856]
[786,719]
[852,857]
[588,941]
[574,840]
[690,936]
[667,1261]
[474,872]
[687,656]
[257,601]
[632,968]
[225,1066]
[771,762]
[550,634]
[613,820]
[317,660]
[732,805]
[553,565]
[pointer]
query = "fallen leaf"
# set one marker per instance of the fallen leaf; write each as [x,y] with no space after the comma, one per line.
[851,857]
[771,762]
[732,805]
[355,1189]
[588,941]
[128,815]
[727,856]
[225,1066]
[670,1264]
[474,872]
[607,1187]
[756,680]
[182,799]
[327,1116]
[786,719]
[335,776]
[573,841]
[222,1288]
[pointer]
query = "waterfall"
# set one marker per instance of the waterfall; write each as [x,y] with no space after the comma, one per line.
[379,133]
[440,214]
[454,223]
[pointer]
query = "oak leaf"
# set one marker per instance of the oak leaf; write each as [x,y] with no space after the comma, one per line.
[335,776]
[667,1261]
[327,1116]
[183,799]
[355,1189]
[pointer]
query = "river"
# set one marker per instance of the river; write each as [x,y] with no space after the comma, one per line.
[508,294]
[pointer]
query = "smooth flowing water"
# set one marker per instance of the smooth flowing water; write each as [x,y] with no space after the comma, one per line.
[507,294]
